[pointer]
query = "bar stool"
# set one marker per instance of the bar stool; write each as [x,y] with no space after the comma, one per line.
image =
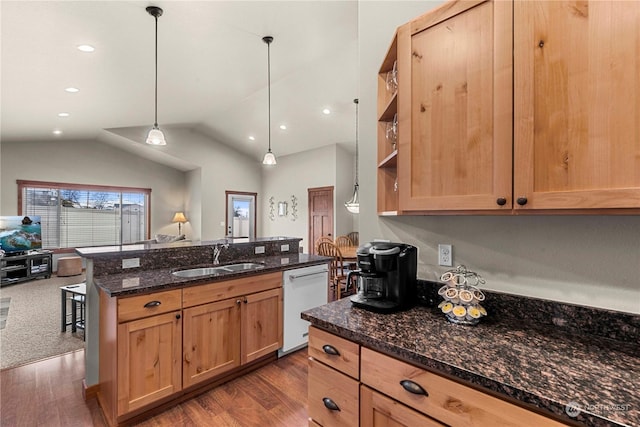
[76,294]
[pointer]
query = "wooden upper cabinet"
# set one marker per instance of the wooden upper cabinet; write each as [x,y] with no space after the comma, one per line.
[577,104]
[455,108]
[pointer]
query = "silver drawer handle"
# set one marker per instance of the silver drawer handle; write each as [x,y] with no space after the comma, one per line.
[330,404]
[152,304]
[298,276]
[414,388]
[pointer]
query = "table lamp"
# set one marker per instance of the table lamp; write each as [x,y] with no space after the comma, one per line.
[179,218]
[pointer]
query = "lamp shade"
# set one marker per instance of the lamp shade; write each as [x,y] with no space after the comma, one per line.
[353,205]
[156,137]
[269,158]
[179,217]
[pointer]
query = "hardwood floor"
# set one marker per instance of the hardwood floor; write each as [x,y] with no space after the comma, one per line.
[49,393]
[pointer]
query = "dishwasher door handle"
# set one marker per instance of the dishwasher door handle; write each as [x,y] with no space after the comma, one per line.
[299,276]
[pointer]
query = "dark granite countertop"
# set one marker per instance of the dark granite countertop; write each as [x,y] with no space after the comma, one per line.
[539,365]
[151,280]
[132,249]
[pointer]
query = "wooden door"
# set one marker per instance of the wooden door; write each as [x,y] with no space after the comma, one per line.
[261,324]
[211,340]
[320,214]
[377,410]
[455,108]
[149,360]
[576,104]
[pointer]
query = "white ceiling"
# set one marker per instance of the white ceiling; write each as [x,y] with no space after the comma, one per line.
[212,72]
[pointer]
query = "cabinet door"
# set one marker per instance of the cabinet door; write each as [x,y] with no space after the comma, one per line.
[576,104]
[377,410]
[455,108]
[261,324]
[211,340]
[149,362]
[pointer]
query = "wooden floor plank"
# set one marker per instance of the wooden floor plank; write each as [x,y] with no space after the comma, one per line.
[49,392]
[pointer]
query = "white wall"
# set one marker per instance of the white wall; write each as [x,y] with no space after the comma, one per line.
[294,175]
[91,162]
[586,260]
[221,169]
[193,203]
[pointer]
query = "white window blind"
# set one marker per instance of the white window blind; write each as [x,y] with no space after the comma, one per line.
[75,216]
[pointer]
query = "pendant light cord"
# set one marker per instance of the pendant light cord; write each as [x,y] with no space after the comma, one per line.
[156,88]
[356,101]
[269,88]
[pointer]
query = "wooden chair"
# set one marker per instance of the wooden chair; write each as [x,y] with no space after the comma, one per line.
[337,274]
[320,240]
[343,241]
[355,238]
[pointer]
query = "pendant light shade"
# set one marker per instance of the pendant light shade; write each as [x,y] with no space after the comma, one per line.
[155,136]
[269,157]
[353,205]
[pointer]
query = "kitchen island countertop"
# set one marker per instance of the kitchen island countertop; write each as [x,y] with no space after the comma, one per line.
[538,365]
[142,280]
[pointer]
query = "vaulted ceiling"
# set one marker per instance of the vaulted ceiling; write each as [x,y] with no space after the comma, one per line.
[212,71]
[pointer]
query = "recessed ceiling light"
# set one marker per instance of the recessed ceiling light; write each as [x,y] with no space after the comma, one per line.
[283,127]
[252,138]
[72,89]
[57,132]
[326,111]
[63,114]
[86,48]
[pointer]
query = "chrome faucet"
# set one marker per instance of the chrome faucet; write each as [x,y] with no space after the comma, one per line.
[217,248]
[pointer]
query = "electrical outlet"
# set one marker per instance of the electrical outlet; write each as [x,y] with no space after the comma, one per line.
[445,255]
[284,248]
[259,250]
[131,262]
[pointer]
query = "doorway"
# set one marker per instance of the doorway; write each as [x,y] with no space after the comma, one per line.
[320,214]
[241,215]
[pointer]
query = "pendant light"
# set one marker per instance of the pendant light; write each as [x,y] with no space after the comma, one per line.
[269,157]
[353,205]
[155,136]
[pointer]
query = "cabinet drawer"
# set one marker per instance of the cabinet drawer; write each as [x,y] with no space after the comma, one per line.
[378,410]
[326,387]
[323,346]
[148,305]
[445,400]
[218,291]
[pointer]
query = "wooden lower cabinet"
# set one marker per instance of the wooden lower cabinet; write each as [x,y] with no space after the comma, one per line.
[333,396]
[157,347]
[149,360]
[377,410]
[262,328]
[211,340]
[390,392]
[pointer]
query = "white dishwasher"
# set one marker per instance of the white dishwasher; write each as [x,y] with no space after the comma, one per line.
[304,288]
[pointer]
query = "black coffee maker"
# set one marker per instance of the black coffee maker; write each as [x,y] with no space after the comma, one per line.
[386,276]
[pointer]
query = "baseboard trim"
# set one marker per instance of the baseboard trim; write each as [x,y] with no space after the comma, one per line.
[90,392]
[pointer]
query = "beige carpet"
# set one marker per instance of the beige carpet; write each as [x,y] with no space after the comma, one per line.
[32,330]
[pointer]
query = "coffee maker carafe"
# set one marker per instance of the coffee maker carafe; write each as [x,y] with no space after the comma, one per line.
[386,276]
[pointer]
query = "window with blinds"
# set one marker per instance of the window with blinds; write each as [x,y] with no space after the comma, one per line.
[75,215]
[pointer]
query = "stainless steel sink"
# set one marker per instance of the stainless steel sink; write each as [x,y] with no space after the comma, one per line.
[242,266]
[197,272]
[215,271]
